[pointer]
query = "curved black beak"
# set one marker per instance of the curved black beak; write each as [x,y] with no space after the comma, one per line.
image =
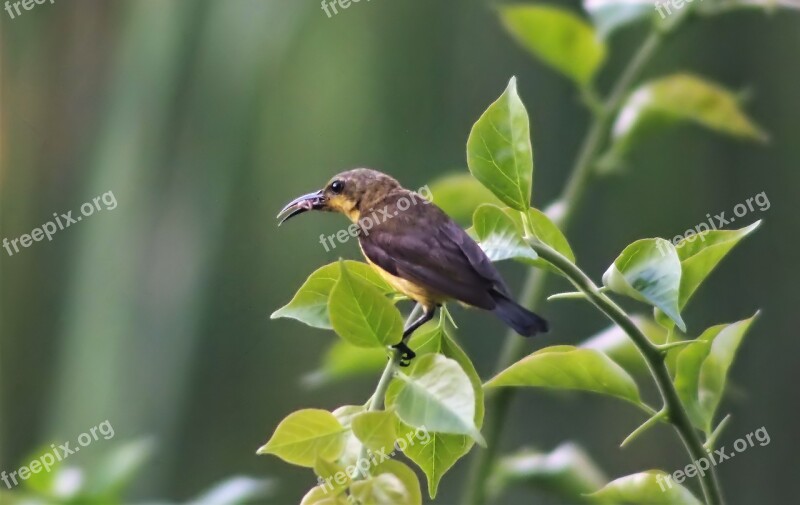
[311,201]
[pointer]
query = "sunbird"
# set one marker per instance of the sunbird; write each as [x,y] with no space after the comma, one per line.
[417,248]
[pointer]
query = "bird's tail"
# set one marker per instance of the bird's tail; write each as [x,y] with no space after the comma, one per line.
[522,320]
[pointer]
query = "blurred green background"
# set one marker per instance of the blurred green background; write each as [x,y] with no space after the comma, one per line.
[204,117]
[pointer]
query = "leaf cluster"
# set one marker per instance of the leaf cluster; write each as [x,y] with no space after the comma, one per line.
[441,393]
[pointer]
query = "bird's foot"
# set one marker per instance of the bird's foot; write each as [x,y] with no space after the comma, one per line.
[406,354]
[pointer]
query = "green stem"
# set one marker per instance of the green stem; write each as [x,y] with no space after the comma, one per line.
[654,357]
[653,419]
[571,198]
[711,441]
[581,173]
[534,286]
[376,401]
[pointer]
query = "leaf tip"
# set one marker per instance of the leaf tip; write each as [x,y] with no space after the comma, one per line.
[512,84]
[478,437]
[756,225]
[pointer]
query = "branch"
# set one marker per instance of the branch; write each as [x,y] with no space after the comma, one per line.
[377,398]
[534,286]
[653,356]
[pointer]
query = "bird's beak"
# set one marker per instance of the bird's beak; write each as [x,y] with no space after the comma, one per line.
[311,201]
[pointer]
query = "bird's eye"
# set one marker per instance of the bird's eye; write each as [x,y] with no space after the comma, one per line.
[337,186]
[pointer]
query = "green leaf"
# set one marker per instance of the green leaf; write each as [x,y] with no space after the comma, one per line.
[352,448]
[459,195]
[649,270]
[557,37]
[435,339]
[361,315]
[499,236]
[545,231]
[320,496]
[306,435]
[609,15]
[650,487]
[687,376]
[568,473]
[617,345]
[377,429]
[699,256]
[406,476]
[310,303]
[499,152]
[440,452]
[680,98]
[383,489]
[568,367]
[17,498]
[714,372]
[333,474]
[702,370]
[343,361]
[436,396]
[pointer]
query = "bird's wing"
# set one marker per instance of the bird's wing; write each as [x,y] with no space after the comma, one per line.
[430,249]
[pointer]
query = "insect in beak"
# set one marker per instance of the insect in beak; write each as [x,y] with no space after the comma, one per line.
[311,201]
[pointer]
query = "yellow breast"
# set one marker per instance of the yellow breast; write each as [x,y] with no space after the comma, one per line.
[414,291]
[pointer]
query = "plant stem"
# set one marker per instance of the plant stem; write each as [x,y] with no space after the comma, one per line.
[383,383]
[711,441]
[377,399]
[654,357]
[578,181]
[534,286]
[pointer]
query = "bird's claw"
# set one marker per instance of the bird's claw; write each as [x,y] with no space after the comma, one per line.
[406,354]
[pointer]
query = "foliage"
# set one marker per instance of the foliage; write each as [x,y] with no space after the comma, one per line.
[644,487]
[567,472]
[440,393]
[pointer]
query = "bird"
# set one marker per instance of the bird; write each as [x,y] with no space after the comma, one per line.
[417,249]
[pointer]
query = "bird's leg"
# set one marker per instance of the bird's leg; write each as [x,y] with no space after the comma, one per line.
[427,315]
[406,354]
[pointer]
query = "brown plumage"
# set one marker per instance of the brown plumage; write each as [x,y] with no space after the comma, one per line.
[417,248]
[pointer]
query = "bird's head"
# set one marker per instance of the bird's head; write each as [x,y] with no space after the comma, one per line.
[347,193]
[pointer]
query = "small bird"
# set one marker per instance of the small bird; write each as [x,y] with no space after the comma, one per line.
[417,248]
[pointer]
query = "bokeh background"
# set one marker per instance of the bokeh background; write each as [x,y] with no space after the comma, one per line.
[203,117]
